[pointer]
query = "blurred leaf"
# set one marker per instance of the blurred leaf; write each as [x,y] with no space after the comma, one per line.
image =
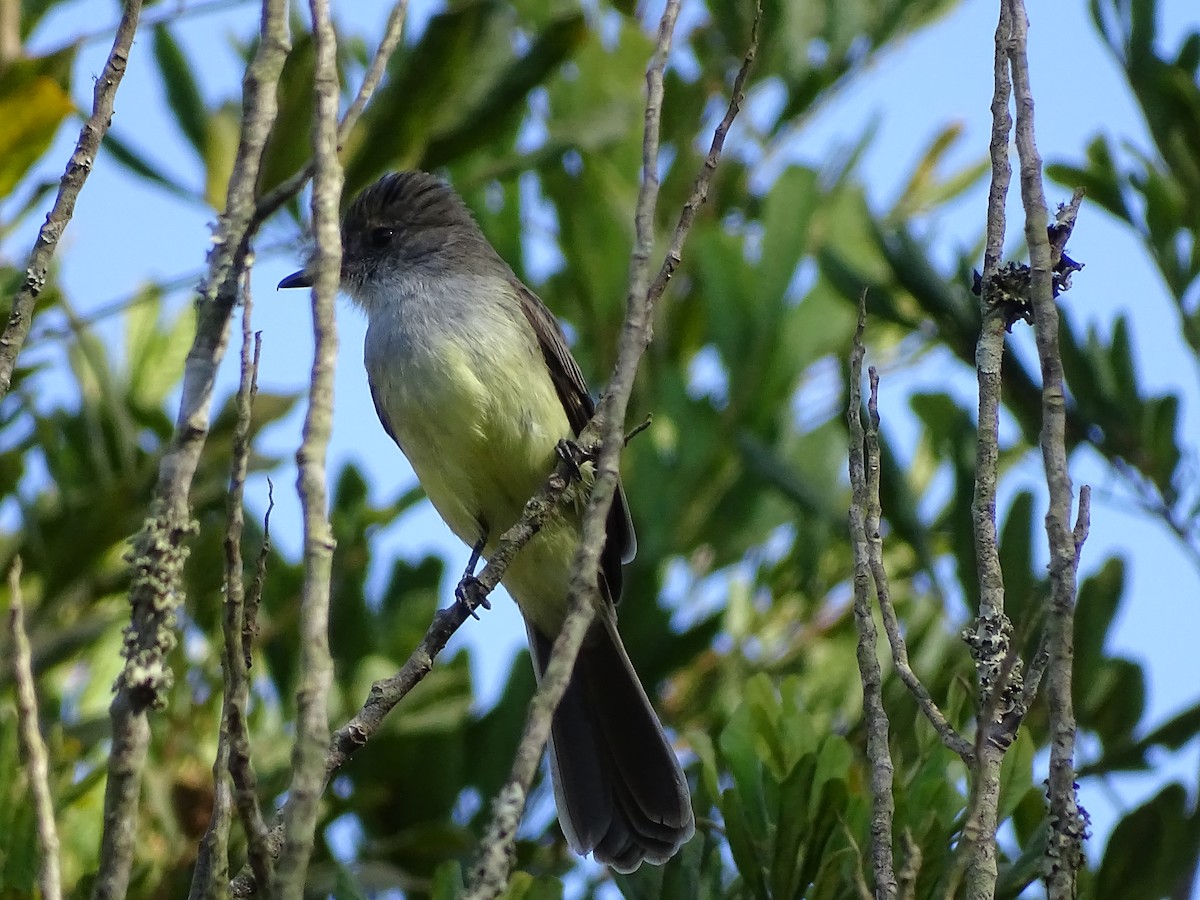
[183,93]
[925,191]
[424,93]
[288,146]
[223,128]
[1149,849]
[30,113]
[504,99]
[139,165]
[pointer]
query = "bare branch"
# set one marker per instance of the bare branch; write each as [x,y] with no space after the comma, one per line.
[158,551]
[490,874]
[878,755]
[312,718]
[891,623]
[32,745]
[210,876]
[270,203]
[988,636]
[687,216]
[79,166]
[1068,826]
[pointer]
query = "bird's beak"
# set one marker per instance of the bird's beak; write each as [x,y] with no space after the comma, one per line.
[295,280]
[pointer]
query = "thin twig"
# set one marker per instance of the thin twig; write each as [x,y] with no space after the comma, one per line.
[316,665]
[158,551]
[78,168]
[211,873]
[862,483]
[386,693]
[891,623]
[988,636]
[687,216]
[490,874]
[32,745]
[254,595]
[1064,849]
[911,867]
[271,202]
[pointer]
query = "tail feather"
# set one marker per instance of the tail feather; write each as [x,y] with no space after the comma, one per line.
[620,791]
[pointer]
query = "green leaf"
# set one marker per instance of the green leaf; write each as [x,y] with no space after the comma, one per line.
[1099,597]
[504,100]
[132,159]
[30,112]
[223,129]
[448,883]
[183,93]
[424,92]
[1149,849]
[1016,773]
[288,146]
[788,212]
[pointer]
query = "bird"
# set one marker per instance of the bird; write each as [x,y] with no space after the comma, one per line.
[472,377]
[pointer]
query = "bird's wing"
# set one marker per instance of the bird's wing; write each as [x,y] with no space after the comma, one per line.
[572,391]
[383,419]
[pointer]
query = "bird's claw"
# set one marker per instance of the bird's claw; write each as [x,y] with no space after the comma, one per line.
[465,592]
[572,454]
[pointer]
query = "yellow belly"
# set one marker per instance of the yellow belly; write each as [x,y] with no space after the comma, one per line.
[481,440]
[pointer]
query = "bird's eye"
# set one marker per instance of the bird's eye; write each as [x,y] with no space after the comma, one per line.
[381,237]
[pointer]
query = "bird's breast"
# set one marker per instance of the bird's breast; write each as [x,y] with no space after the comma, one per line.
[473,407]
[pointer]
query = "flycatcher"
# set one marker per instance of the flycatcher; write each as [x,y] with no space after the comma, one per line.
[472,378]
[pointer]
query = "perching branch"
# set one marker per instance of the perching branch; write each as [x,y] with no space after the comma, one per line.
[1068,825]
[490,875]
[491,871]
[864,479]
[159,551]
[316,665]
[32,745]
[79,166]
[387,692]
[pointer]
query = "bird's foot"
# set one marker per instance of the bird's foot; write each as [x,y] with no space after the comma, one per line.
[471,593]
[571,453]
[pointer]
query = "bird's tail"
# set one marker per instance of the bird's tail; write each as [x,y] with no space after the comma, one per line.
[620,791]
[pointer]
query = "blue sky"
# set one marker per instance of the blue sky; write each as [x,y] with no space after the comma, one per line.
[125,233]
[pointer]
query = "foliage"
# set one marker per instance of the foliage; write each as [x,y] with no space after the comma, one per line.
[739,500]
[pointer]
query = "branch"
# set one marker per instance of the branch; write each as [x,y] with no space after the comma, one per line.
[490,875]
[79,166]
[211,873]
[862,481]
[387,692]
[158,551]
[891,623]
[699,193]
[272,202]
[491,871]
[988,637]
[316,666]
[32,744]
[1068,825]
